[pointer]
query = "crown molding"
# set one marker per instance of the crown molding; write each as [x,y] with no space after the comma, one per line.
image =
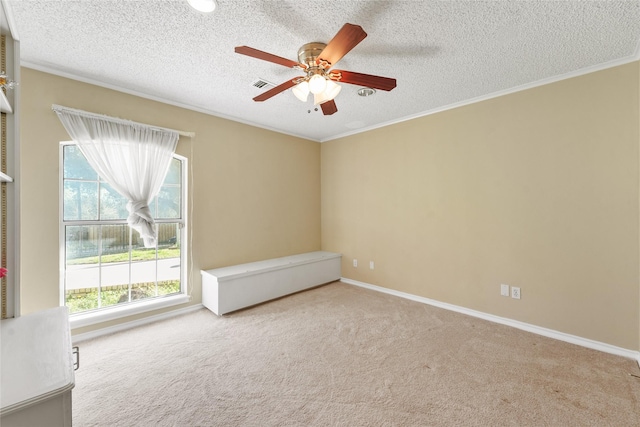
[117,88]
[542,82]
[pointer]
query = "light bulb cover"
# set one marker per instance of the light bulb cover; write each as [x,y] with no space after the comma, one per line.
[301,91]
[318,98]
[204,6]
[317,84]
[331,91]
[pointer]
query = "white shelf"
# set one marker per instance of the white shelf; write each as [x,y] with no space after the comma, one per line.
[5,107]
[5,178]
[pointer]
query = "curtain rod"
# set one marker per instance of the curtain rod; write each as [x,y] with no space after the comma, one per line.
[56,107]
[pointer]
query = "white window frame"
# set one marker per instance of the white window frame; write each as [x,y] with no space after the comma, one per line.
[79,320]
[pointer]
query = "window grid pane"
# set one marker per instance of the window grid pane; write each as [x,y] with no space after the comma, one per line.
[112,204]
[80,200]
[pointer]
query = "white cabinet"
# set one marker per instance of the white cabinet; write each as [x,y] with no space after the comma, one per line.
[36,370]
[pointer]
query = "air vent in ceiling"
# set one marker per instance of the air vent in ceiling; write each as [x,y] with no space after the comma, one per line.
[260,83]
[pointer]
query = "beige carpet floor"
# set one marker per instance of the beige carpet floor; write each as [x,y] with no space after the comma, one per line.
[340,355]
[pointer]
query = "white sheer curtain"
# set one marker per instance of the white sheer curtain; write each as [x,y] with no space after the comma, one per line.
[132,158]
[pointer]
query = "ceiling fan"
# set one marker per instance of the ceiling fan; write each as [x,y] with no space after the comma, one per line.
[315,60]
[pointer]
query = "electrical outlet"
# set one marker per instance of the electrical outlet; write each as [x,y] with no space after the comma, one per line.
[371,265]
[515,292]
[355,263]
[504,290]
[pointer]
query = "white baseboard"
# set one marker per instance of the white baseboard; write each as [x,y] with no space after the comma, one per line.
[550,333]
[132,324]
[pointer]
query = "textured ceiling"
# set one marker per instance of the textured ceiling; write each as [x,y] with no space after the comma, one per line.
[442,53]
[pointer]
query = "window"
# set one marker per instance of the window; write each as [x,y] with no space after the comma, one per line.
[104,263]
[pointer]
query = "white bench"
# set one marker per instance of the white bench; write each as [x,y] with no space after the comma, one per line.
[231,288]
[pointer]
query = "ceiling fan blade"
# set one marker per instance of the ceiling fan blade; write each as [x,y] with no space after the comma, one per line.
[329,107]
[255,53]
[346,39]
[367,80]
[276,90]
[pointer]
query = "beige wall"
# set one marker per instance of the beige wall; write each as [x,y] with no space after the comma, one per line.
[537,189]
[256,193]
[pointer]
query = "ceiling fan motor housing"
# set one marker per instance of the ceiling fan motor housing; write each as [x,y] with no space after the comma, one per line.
[309,52]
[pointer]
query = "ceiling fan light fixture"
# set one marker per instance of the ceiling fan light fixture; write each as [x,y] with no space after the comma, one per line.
[301,91]
[328,94]
[332,90]
[319,98]
[315,61]
[204,6]
[317,84]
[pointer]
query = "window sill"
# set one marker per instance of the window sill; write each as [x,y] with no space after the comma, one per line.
[87,319]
